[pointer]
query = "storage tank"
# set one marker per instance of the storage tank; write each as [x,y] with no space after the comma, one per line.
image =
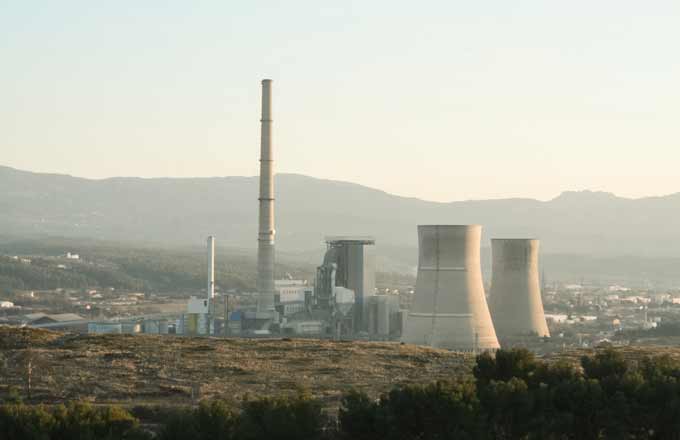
[387,306]
[515,297]
[449,307]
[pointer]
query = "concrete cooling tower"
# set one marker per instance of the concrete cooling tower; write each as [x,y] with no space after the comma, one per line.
[449,309]
[515,298]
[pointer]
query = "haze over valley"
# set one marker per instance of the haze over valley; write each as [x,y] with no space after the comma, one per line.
[584,234]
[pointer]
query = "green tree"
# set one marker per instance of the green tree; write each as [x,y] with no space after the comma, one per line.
[21,422]
[300,417]
[82,421]
[504,365]
[359,417]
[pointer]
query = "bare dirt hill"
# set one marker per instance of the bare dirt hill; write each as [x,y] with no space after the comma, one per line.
[172,370]
[144,369]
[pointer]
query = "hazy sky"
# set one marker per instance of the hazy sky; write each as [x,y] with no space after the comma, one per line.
[442,100]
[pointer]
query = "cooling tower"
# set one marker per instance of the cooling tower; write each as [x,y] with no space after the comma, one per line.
[449,308]
[265,237]
[515,298]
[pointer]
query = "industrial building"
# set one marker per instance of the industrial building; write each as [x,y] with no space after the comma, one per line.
[515,295]
[351,262]
[449,308]
[58,321]
[197,320]
[292,296]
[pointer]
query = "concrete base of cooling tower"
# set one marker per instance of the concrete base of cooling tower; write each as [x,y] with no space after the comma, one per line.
[449,331]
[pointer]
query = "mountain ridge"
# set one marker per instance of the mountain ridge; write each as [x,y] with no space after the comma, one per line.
[185,210]
[563,194]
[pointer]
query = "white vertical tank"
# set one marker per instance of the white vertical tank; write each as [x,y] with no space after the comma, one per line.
[515,297]
[265,238]
[449,309]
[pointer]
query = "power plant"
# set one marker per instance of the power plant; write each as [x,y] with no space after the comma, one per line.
[449,309]
[515,297]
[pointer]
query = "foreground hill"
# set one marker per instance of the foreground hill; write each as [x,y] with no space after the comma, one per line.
[167,370]
[176,370]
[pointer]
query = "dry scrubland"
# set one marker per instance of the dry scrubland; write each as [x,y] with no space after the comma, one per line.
[174,370]
[167,370]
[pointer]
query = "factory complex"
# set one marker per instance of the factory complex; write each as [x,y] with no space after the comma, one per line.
[449,308]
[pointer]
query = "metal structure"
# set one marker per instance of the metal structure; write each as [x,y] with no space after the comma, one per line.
[515,296]
[383,315]
[325,299]
[265,239]
[449,308]
[211,269]
[354,269]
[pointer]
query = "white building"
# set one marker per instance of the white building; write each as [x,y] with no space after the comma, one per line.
[292,290]
[291,295]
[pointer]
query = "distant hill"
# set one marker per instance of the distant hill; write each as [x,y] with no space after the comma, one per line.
[183,211]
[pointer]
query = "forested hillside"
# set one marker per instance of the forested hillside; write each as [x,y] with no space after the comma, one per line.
[147,268]
[123,266]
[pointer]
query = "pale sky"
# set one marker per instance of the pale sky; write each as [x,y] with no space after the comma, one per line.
[441,100]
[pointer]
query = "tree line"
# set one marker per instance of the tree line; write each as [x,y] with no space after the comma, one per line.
[511,395]
[132,273]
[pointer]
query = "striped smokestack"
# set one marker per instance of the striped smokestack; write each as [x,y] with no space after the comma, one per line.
[265,238]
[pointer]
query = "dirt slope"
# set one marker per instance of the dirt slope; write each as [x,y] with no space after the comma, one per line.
[176,370]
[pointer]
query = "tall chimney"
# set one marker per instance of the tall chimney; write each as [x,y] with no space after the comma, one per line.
[265,238]
[211,268]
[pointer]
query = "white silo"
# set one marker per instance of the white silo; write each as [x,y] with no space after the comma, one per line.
[449,308]
[515,296]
